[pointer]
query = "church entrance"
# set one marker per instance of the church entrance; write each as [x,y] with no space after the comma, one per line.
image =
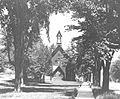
[58,73]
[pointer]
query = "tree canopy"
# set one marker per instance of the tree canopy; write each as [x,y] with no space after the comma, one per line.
[100,33]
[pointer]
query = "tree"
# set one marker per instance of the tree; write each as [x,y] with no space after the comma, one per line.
[21,21]
[39,59]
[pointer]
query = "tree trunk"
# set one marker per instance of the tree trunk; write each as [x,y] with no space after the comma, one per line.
[99,71]
[96,80]
[17,80]
[18,45]
[99,78]
[24,75]
[105,85]
[25,66]
[18,62]
[94,76]
[43,78]
[18,75]
[89,77]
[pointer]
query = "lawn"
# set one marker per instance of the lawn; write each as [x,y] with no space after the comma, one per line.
[114,91]
[34,90]
[33,95]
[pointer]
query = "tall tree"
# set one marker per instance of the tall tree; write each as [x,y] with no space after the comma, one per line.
[21,21]
[98,30]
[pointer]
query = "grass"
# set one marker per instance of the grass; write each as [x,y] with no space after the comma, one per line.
[34,90]
[100,94]
[108,95]
[33,95]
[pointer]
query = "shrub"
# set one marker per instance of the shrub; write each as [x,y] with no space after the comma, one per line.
[115,71]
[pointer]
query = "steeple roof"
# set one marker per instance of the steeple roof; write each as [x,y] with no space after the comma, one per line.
[59,34]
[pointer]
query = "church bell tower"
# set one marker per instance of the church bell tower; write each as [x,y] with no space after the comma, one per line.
[59,36]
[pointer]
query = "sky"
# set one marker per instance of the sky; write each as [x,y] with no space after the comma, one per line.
[58,22]
[116,55]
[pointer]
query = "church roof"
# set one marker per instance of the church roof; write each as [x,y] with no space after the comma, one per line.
[59,48]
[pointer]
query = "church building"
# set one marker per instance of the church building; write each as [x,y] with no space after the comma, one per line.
[59,58]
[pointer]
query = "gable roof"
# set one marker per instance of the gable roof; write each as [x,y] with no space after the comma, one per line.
[59,48]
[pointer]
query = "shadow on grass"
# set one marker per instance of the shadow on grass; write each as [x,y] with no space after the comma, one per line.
[6,85]
[33,89]
[49,85]
[11,81]
[6,90]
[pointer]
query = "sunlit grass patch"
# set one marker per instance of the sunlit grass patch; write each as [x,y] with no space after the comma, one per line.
[108,96]
[34,95]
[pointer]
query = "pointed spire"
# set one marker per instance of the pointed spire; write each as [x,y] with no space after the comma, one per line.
[59,36]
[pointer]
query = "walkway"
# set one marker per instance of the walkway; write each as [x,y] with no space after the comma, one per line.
[58,81]
[85,92]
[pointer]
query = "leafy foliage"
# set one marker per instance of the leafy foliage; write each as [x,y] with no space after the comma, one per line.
[22,22]
[115,70]
[40,58]
[100,34]
[97,19]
